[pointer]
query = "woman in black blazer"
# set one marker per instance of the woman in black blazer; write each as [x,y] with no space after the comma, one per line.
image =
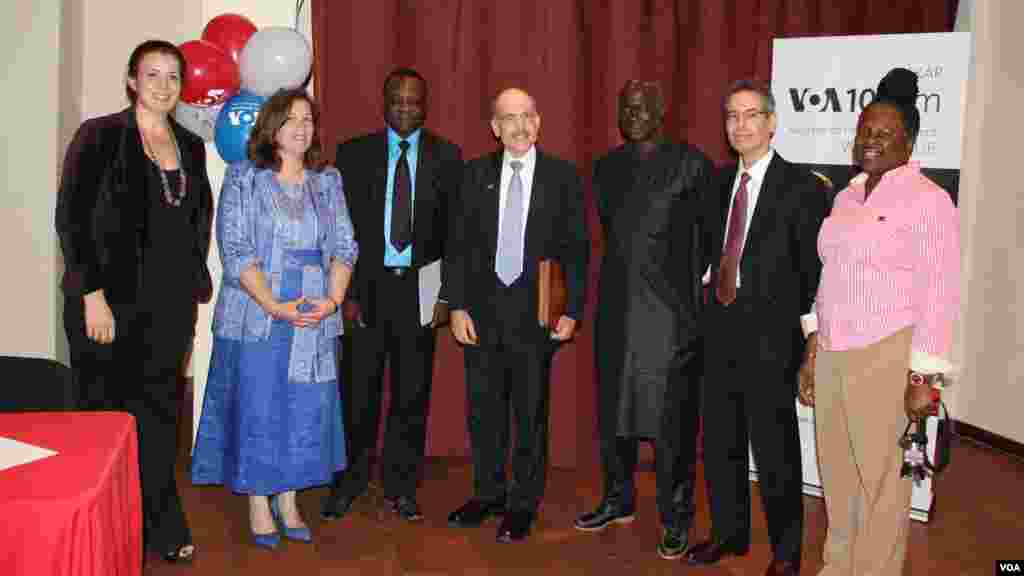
[133,216]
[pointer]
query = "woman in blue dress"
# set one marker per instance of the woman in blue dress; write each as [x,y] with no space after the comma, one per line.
[272,418]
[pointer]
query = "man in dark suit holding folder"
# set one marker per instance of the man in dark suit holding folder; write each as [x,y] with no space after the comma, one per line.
[398,183]
[517,207]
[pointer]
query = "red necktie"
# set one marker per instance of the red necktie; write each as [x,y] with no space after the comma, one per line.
[728,268]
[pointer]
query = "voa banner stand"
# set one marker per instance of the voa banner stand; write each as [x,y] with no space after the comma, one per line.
[820,87]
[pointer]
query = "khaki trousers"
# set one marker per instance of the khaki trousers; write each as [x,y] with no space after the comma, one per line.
[859,418]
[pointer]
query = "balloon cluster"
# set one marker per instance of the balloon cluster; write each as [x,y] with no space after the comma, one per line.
[230,71]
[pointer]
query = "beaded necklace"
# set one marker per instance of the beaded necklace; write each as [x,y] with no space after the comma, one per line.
[170,198]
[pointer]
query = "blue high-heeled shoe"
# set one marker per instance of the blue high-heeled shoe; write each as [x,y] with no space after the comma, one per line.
[296,534]
[268,541]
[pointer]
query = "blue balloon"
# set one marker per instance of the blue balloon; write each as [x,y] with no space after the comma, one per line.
[234,123]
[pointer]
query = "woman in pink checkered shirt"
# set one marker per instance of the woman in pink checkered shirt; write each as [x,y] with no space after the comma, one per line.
[880,334]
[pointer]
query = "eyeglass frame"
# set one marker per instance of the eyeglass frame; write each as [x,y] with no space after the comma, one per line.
[509,119]
[733,118]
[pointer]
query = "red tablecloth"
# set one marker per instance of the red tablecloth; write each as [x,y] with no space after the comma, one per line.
[76,513]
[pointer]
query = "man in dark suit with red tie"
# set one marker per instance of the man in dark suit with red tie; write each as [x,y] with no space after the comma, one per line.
[399,185]
[764,271]
[517,206]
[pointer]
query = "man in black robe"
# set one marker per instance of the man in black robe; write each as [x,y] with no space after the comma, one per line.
[650,199]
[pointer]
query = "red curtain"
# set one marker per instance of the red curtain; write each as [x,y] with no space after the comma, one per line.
[572,56]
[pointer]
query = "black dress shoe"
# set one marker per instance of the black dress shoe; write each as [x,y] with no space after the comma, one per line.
[606,513]
[782,568]
[336,506]
[710,552]
[673,543]
[406,508]
[515,526]
[182,555]
[473,513]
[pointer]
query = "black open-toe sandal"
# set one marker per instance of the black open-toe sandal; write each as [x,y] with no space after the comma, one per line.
[183,555]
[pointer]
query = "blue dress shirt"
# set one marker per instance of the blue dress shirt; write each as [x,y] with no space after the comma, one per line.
[393,257]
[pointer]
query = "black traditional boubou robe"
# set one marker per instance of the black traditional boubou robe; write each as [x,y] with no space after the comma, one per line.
[652,214]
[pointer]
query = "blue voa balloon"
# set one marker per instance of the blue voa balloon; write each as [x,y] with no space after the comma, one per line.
[234,123]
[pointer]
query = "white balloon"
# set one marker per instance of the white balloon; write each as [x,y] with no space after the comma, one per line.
[274,58]
[199,120]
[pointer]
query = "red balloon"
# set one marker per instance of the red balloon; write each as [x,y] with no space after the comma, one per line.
[211,77]
[230,32]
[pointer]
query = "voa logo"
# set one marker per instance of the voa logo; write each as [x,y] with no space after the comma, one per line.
[240,117]
[850,100]
[1009,567]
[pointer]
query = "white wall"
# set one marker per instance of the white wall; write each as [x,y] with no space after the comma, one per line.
[989,392]
[29,50]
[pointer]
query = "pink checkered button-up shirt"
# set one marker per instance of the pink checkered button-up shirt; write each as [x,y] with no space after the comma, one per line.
[889,262]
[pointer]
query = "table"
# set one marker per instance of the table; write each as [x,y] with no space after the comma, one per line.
[76,513]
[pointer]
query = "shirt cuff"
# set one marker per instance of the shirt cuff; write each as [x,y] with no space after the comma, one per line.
[809,323]
[706,278]
[927,364]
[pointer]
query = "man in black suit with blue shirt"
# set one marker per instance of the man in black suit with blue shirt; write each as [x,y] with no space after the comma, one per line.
[517,206]
[399,185]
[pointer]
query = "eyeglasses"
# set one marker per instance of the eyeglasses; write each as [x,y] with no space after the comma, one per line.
[513,119]
[733,118]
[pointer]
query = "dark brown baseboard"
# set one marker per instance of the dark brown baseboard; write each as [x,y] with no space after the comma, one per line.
[990,439]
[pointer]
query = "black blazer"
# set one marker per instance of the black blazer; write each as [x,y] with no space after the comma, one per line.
[555,228]
[101,210]
[779,269]
[363,163]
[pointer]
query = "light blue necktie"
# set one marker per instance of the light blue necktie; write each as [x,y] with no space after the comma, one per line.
[509,259]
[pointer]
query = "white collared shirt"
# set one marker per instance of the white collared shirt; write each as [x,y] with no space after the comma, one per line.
[529,161]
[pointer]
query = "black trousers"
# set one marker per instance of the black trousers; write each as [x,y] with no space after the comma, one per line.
[398,340]
[749,400]
[504,379]
[675,447]
[139,373]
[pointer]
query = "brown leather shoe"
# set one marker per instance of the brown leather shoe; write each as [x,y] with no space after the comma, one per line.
[782,568]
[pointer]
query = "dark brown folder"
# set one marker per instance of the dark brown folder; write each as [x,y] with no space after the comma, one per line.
[551,294]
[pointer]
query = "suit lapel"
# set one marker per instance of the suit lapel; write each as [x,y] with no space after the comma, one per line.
[423,196]
[377,190]
[537,196]
[766,198]
[493,183]
[132,204]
